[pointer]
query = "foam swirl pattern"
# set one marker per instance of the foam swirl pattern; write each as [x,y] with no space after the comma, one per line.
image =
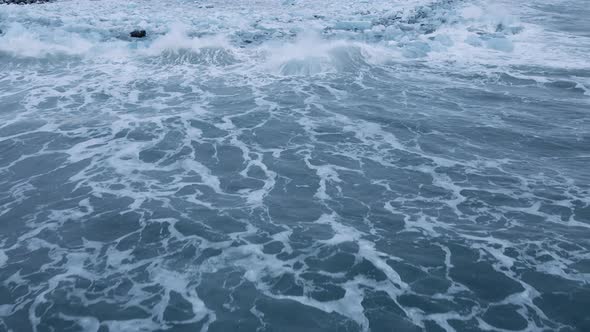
[295,166]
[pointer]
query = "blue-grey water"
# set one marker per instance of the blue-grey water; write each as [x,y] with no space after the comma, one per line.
[301,165]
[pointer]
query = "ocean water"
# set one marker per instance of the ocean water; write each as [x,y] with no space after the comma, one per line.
[300,165]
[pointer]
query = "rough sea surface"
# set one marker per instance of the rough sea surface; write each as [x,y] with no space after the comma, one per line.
[302,165]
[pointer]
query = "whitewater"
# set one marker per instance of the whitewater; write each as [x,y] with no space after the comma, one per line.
[295,165]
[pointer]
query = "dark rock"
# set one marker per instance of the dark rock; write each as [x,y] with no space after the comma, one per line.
[138,33]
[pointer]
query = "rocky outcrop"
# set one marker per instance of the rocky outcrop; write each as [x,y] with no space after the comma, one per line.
[137,34]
